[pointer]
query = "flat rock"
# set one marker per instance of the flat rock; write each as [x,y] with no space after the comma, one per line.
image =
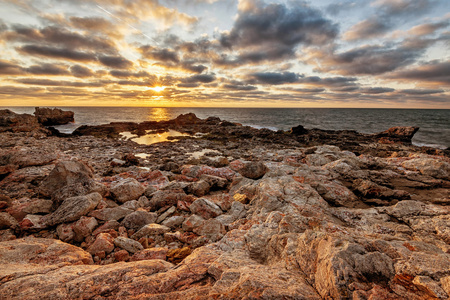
[130,245]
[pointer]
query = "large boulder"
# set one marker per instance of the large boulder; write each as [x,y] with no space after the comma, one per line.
[399,134]
[48,116]
[69,178]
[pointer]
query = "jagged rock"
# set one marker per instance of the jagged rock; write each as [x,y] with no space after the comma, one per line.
[7,221]
[173,221]
[48,117]
[112,224]
[205,208]
[403,134]
[167,198]
[193,222]
[137,219]
[150,229]
[65,232]
[10,121]
[108,214]
[165,214]
[150,253]
[199,188]
[212,229]
[72,209]
[84,227]
[429,166]
[130,245]
[298,130]
[33,222]
[253,170]
[103,242]
[126,190]
[68,179]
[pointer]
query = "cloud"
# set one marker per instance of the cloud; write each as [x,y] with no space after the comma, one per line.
[273,31]
[434,72]
[200,78]
[128,74]
[58,53]
[428,28]
[422,91]
[328,81]
[164,55]
[275,78]
[388,14]
[377,90]
[240,87]
[47,82]
[81,71]
[117,62]
[47,69]
[342,6]
[60,36]
[8,68]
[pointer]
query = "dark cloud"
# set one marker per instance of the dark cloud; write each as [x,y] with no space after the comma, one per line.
[163,55]
[240,87]
[342,6]
[200,78]
[81,71]
[117,62]
[8,68]
[188,85]
[47,82]
[301,90]
[275,78]
[48,69]
[194,68]
[328,81]
[422,92]
[58,53]
[128,74]
[376,90]
[433,72]
[62,37]
[388,14]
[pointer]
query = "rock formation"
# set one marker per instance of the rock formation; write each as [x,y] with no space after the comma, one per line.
[309,214]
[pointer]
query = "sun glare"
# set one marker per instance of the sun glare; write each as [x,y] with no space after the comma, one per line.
[158,89]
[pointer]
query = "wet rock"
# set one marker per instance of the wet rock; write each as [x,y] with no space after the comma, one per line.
[73,208]
[48,117]
[298,130]
[205,208]
[149,230]
[150,253]
[138,219]
[103,242]
[126,190]
[130,245]
[108,214]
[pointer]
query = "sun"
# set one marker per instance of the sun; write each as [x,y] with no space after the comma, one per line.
[158,89]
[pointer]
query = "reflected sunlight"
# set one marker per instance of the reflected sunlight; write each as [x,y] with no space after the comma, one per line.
[159,114]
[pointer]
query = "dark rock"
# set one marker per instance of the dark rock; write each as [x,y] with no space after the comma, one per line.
[48,117]
[10,121]
[399,134]
[253,170]
[138,219]
[299,130]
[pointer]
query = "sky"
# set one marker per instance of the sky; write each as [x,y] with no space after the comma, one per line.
[225,53]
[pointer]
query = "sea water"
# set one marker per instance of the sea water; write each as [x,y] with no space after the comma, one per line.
[434,123]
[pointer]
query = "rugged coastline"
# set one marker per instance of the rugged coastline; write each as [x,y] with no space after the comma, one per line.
[228,212]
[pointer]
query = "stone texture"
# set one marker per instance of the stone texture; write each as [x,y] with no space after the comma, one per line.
[72,209]
[150,253]
[49,117]
[103,242]
[205,208]
[7,221]
[149,230]
[137,219]
[111,214]
[126,190]
[130,245]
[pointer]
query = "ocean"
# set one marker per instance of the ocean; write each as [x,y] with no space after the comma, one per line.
[434,123]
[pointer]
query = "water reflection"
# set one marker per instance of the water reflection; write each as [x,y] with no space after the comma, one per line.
[152,138]
[159,114]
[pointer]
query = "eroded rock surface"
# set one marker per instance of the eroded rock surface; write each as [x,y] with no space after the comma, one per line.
[309,214]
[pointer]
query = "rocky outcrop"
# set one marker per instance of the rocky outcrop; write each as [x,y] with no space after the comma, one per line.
[287,219]
[49,117]
[10,121]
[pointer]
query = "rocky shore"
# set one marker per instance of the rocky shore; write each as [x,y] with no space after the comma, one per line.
[223,212]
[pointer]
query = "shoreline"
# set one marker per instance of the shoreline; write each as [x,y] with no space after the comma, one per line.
[238,211]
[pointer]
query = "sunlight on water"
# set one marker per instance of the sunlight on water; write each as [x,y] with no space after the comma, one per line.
[159,114]
[152,138]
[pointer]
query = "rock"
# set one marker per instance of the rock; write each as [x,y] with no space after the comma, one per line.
[65,232]
[126,190]
[7,221]
[430,287]
[429,166]
[445,283]
[165,214]
[168,198]
[205,208]
[139,218]
[177,255]
[192,222]
[212,229]
[109,214]
[68,179]
[375,265]
[121,255]
[73,209]
[112,224]
[48,117]
[298,130]
[103,242]
[149,230]
[10,121]
[33,222]
[253,170]
[133,204]
[173,221]
[199,188]
[150,253]
[130,245]
[402,134]
[84,227]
